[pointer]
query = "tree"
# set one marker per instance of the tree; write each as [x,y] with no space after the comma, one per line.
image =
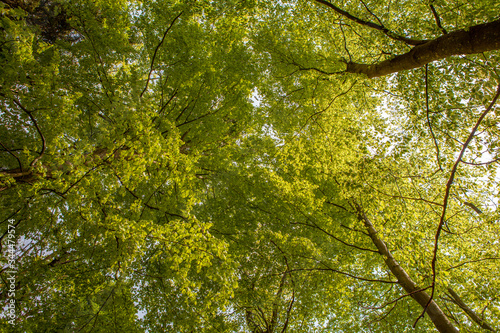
[471,40]
[356,193]
[306,95]
[104,138]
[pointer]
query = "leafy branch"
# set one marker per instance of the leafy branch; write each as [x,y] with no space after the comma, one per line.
[329,269]
[454,298]
[20,174]
[428,118]
[379,27]
[156,50]
[447,195]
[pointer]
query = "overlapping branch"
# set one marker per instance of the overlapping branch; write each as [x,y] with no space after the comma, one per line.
[437,18]
[454,298]
[437,316]
[447,195]
[476,39]
[379,27]
[156,51]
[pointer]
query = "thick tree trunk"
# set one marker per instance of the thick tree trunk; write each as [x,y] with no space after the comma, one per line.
[437,316]
[476,39]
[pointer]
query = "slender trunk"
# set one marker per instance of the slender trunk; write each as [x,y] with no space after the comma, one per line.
[472,315]
[476,39]
[437,316]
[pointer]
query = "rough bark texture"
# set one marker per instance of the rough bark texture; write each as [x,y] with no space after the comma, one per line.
[476,39]
[437,316]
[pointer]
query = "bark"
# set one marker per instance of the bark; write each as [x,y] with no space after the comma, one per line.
[472,315]
[19,176]
[437,316]
[476,39]
[379,27]
[46,171]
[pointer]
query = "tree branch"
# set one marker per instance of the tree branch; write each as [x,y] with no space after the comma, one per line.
[314,225]
[99,311]
[438,19]
[496,160]
[379,27]
[476,39]
[428,118]
[15,156]
[439,319]
[398,299]
[156,50]
[33,120]
[472,315]
[472,261]
[448,189]
[403,197]
[328,269]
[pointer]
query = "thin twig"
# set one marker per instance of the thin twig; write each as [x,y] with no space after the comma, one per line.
[29,113]
[156,50]
[97,314]
[484,163]
[428,118]
[314,225]
[399,298]
[345,42]
[98,56]
[472,261]
[329,104]
[372,25]
[447,194]
[438,19]
[402,197]
[15,156]
[328,269]
[371,13]
[302,68]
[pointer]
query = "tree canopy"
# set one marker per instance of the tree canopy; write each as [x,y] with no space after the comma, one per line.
[250,166]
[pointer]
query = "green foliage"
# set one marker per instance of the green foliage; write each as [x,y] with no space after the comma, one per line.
[181,166]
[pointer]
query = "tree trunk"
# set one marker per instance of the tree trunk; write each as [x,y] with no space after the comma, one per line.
[437,316]
[472,315]
[476,39]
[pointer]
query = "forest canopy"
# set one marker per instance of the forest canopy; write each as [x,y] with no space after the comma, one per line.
[249,166]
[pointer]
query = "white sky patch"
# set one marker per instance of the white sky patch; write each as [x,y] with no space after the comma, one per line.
[256,98]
